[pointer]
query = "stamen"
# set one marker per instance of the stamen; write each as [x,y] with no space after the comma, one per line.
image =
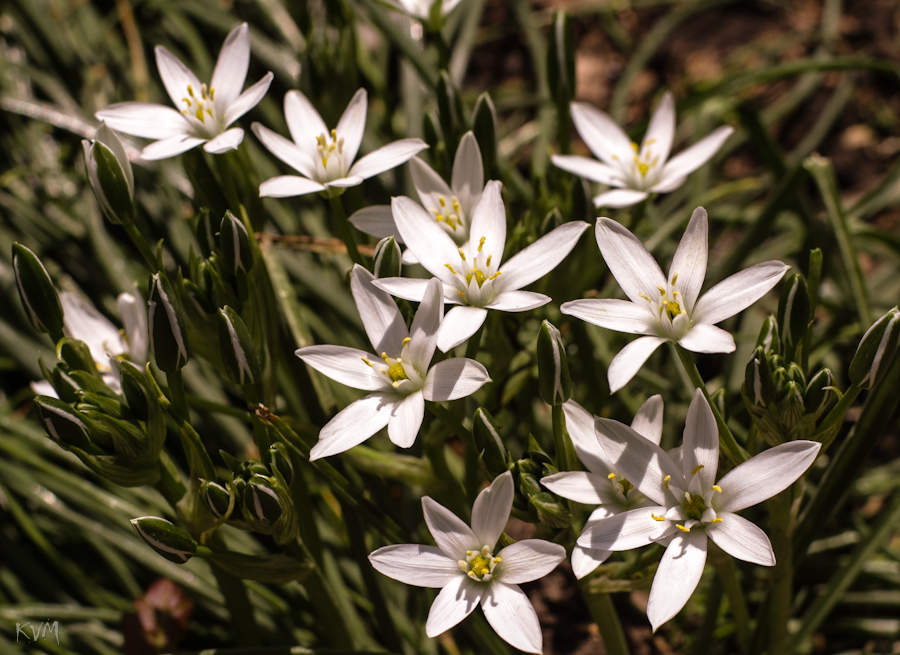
[450,267]
[645,296]
[212,92]
[696,469]
[405,341]
[462,294]
[716,487]
[481,243]
[385,358]
[611,476]
[657,518]
[662,289]
[674,279]
[190,91]
[441,200]
[635,147]
[666,481]
[488,262]
[495,275]
[682,528]
[717,520]
[366,360]
[463,566]
[462,254]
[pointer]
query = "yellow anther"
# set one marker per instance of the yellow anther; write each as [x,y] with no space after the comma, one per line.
[643,168]
[717,520]
[662,289]
[187,100]
[190,91]
[385,358]
[716,487]
[498,559]
[635,147]
[449,266]
[333,135]
[495,275]
[203,90]
[462,294]
[488,262]
[649,142]
[611,476]
[366,360]
[199,113]
[456,206]
[481,243]
[405,341]
[462,254]
[674,278]
[645,296]
[321,140]
[212,93]
[682,528]
[469,552]
[209,111]
[395,383]
[696,469]
[657,518]
[441,200]
[666,481]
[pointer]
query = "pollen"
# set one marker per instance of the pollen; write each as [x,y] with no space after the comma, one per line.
[666,481]
[481,243]
[368,363]
[682,528]
[716,487]
[611,476]
[657,518]
[462,254]
[674,279]
[717,520]
[451,268]
[696,469]
[405,341]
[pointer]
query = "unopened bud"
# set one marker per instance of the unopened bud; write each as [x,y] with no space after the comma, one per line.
[36,290]
[820,394]
[488,442]
[876,350]
[792,406]
[386,262]
[110,175]
[234,242]
[206,233]
[768,336]
[166,538]
[550,511]
[529,484]
[168,336]
[561,60]
[62,423]
[553,367]
[262,506]
[281,462]
[793,312]
[758,384]
[218,499]
[76,355]
[484,129]
[237,348]
[448,109]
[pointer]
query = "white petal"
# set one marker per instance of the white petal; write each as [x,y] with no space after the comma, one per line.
[286,186]
[450,532]
[384,323]
[353,425]
[144,119]
[585,560]
[231,66]
[412,564]
[287,151]
[83,322]
[491,510]
[429,185]
[304,122]
[701,442]
[468,170]
[741,539]
[404,287]
[352,124]
[455,602]
[601,134]
[677,576]
[582,487]
[580,426]
[689,263]
[248,99]
[540,257]
[661,129]
[667,185]
[387,157]
[706,338]
[110,139]
[648,422]
[619,198]
[406,420]
[687,161]
[376,220]
[458,325]
[344,365]
[626,530]
[628,362]
[454,378]
[431,244]
[633,267]
[529,560]
[170,147]
[619,315]
[176,77]
[518,301]
[642,462]
[134,316]
[489,221]
[588,168]
[424,328]
[227,140]
[344,182]
[766,474]
[736,293]
[511,615]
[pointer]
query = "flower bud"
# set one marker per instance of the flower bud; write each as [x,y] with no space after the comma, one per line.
[166,538]
[561,60]
[484,127]
[768,336]
[110,175]
[234,242]
[39,297]
[553,367]
[793,312]
[550,511]
[386,262]
[206,231]
[218,499]
[448,110]
[792,406]
[236,347]
[168,336]
[536,454]
[529,484]
[819,393]
[261,502]
[76,355]
[281,463]
[876,350]
[489,443]
[796,374]
[759,386]
[63,424]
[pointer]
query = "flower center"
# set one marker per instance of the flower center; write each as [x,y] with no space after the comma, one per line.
[622,485]
[202,107]
[326,148]
[697,506]
[694,506]
[669,301]
[478,269]
[450,215]
[644,161]
[479,564]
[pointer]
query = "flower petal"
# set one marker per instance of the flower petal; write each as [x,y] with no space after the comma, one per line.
[286,186]
[134,317]
[352,124]
[642,462]
[467,179]
[384,323]
[376,220]
[406,420]
[85,323]
[450,532]
[677,576]
[429,185]
[648,422]
[287,151]
[144,119]
[687,161]
[454,378]
[588,168]
[458,325]
[701,443]
[706,338]
[631,529]
[619,198]
[585,560]
[491,510]
[601,134]
[176,77]
[742,539]
[661,129]
[387,157]
[734,294]
[170,147]
[689,263]
[541,257]
[227,140]
[231,67]
[344,365]
[354,424]
[412,564]
[248,99]
[304,122]
[404,287]
[489,221]
[582,487]
[344,182]
[455,602]
[529,560]
[619,315]
[518,301]
[628,362]
[633,267]
[431,244]
[512,616]
[766,474]
[580,426]
[424,328]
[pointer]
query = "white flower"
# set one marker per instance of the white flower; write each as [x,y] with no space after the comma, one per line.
[471,275]
[636,171]
[465,565]
[602,484]
[422,9]
[203,114]
[325,158]
[689,505]
[451,207]
[401,376]
[668,309]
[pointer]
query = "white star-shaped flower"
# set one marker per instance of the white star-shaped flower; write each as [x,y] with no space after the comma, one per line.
[688,504]
[636,171]
[668,309]
[470,570]
[472,275]
[323,157]
[204,113]
[401,377]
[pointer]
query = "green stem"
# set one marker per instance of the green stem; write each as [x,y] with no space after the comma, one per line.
[727,575]
[474,344]
[704,641]
[813,281]
[729,444]
[344,229]
[828,428]
[603,612]
[260,434]
[440,412]
[146,251]
[179,400]
[782,591]
[170,484]
[566,459]
[246,632]
[229,181]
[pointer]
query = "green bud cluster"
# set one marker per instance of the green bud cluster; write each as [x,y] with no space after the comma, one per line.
[533,500]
